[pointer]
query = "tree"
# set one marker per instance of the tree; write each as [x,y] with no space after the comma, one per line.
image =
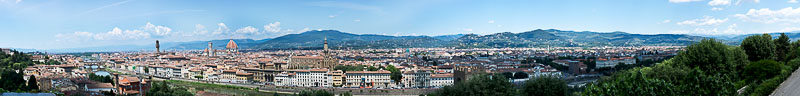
[763,69]
[545,86]
[712,55]
[520,75]
[32,85]
[782,47]
[146,70]
[315,93]
[162,89]
[508,74]
[479,85]
[759,47]
[396,75]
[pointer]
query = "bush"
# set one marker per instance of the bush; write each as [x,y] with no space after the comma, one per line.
[762,69]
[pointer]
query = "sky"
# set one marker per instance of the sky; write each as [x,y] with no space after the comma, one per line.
[55,24]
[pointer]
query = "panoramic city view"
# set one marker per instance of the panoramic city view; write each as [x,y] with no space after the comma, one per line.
[399,48]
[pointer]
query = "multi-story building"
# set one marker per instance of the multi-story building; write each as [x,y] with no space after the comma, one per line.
[284,79]
[441,80]
[368,79]
[312,78]
[336,78]
[416,79]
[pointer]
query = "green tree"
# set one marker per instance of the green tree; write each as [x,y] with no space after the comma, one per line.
[782,47]
[759,47]
[479,85]
[315,93]
[396,74]
[545,86]
[710,54]
[763,69]
[520,75]
[32,85]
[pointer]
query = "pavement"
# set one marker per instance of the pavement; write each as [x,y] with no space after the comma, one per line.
[790,87]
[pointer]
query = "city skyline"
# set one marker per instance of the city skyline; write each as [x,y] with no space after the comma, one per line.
[63,24]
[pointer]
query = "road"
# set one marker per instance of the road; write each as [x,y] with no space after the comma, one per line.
[790,87]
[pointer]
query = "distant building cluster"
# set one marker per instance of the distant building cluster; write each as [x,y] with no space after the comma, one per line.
[326,68]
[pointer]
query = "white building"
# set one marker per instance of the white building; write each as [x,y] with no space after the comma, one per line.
[312,78]
[368,79]
[441,80]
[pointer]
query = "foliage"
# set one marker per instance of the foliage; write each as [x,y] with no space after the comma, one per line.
[520,75]
[11,80]
[315,93]
[759,47]
[545,86]
[32,83]
[479,85]
[782,47]
[396,74]
[762,69]
[706,68]
[710,54]
[163,89]
[104,79]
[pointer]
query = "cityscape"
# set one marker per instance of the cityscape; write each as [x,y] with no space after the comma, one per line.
[399,48]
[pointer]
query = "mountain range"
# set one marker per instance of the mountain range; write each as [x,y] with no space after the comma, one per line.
[341,40]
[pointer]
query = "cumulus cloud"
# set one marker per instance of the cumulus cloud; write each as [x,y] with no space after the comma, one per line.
[147,31]
[707,20]
[221,28]
[490,22]
[247,30]
[666,21]
[157,29]
[273,27]
[200,29]
[765,15]
[719,2]
[682,1]
[792,1]
[717,9]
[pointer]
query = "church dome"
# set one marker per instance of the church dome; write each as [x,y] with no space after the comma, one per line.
[232,45]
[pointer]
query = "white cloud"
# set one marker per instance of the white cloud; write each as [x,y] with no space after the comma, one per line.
[468,30]
[157,29]
[490,22]
[765,15]
[717,9]
[665,21]
[247,30]
[200,29]
[719,2]
[792,1]
[273,27]
[331,16]
[790,29]
[707,20]
[221,28]
[678,32]
[357,20]
[305,29]
[682,1]
[754,1]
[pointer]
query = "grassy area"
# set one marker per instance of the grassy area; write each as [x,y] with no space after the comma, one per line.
[208,85]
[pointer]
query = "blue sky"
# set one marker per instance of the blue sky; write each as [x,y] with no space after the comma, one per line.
[54,24]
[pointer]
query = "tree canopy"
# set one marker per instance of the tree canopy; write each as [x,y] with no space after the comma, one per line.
[759,47]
